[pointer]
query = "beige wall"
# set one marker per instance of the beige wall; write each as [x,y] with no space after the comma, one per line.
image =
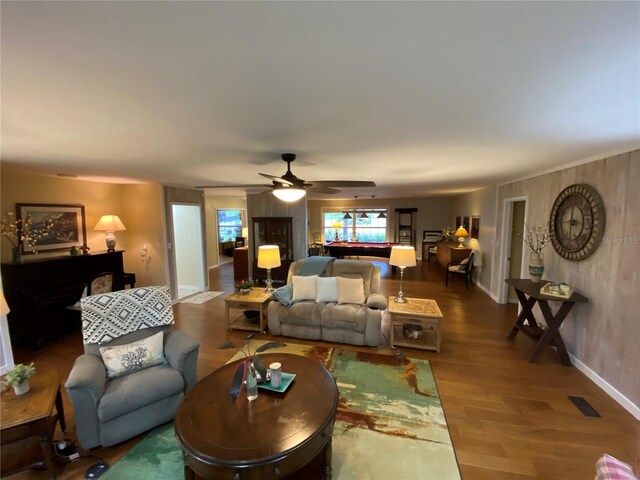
[138,206]
[603,333]
[480,203]
[145,226]
[212,203]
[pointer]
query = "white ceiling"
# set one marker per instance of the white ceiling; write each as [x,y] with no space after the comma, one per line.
[421,97]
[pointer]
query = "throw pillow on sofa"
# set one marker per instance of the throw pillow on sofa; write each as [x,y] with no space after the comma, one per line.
[304,288]
[350,290]
[327,288]
[123,359]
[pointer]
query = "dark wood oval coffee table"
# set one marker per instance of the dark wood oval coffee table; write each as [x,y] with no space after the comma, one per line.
[271,437]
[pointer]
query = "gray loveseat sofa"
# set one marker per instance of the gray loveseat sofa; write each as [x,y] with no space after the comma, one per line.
[355,324]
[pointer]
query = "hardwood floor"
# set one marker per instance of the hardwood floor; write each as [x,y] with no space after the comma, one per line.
[508,419]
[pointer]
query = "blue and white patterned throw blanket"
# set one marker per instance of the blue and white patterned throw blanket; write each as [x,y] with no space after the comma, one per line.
[107,316]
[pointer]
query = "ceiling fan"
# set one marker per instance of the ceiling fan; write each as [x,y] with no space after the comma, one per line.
[290,188]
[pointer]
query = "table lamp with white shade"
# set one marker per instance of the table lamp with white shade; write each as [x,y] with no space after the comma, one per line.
[461,232]
[4,307]
[268,257]
[402,256]
[110,224]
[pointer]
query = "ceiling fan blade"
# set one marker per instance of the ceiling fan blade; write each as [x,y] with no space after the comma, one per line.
[342,183]
[276,179]
[253,185]
[315,189]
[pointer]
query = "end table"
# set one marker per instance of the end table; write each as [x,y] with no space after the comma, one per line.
[421,312]
[31,414]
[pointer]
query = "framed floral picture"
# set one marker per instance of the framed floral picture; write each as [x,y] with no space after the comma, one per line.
[51,227]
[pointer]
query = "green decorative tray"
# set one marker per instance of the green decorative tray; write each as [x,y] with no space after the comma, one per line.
[287,379]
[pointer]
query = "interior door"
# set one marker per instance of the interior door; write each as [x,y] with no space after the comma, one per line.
[515,253]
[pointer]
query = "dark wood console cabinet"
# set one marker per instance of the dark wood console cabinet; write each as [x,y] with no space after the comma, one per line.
[273,231]
[39,290]
[446,253]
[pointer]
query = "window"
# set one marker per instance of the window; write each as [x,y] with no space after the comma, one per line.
[229,225]
[372,228]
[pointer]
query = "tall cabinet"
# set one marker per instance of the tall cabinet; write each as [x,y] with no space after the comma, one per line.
[406,226]
[273,231]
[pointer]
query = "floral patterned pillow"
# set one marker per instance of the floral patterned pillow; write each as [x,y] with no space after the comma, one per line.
[123,359]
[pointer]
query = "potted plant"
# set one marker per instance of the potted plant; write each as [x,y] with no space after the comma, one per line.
[244,286]
[251,369]
[19,376]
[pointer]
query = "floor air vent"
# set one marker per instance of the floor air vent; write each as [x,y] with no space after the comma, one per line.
[586,409]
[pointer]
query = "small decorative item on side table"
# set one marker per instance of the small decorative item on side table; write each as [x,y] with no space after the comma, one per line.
[19,376]
[244,286]
[416,324]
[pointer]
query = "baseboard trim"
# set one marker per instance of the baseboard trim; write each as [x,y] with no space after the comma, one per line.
[487,291]
[627,404]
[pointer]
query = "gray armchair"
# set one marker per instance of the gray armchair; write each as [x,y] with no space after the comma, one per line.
[110,410]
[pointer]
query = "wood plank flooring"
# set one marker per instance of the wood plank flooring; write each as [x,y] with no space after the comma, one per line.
[508,419]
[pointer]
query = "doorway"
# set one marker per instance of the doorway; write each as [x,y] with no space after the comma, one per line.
[188,249]
[512,259]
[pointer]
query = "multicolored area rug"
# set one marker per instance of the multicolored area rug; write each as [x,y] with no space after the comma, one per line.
[390,423]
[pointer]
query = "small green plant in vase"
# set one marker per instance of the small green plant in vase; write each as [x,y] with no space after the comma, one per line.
[19,376]
[251,370]
[244,286]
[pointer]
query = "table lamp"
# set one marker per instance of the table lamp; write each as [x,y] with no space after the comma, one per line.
[268,257]
[461,232]
[110,224]
[403,257]
[4,307]
[337,226]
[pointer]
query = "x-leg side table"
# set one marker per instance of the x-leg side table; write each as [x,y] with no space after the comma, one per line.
[528,295]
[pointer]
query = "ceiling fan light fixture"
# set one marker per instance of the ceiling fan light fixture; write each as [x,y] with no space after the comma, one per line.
[289,195]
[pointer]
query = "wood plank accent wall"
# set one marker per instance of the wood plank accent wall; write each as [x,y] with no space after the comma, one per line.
[267,205]
[603,333]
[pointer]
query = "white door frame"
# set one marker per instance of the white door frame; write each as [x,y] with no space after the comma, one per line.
[507,224]
[204,281]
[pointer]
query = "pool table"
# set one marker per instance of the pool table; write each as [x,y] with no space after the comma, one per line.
[353,249]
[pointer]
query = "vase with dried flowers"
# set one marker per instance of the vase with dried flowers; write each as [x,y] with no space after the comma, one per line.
[251,370]
[536,240]
[24,231]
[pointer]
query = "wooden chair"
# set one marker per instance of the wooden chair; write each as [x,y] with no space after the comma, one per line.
[464,268]
[101,283]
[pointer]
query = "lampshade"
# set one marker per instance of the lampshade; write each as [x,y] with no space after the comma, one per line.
[382,215]
[4,308]
[245,232]
[336,225]
[289,194]
[268,256]
[364,215]
[110,223]
[403,256]
[461,232]
[347,216]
